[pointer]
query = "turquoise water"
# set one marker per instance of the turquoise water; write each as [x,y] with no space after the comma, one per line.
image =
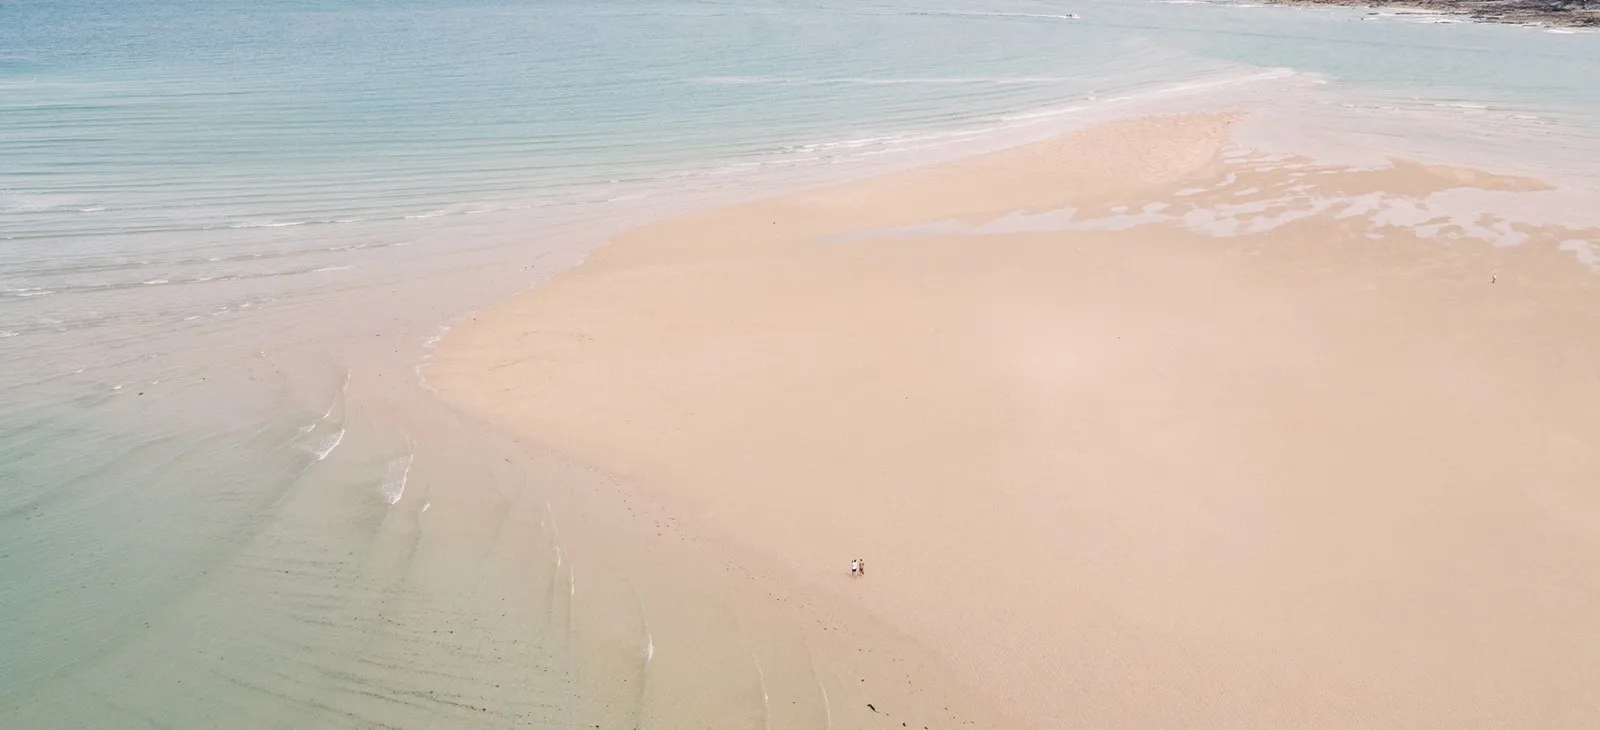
[228,230]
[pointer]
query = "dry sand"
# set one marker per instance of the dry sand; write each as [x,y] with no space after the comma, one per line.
[1131,431]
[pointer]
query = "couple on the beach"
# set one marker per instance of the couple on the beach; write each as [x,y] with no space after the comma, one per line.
[858,567]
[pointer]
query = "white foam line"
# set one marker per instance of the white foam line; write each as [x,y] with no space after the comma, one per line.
[827,710]
[1159,93]
[959,14]
[649,647]
[397,489]
[766,702]
[864,81]
[430,349]
[433,340]
[342,387]
[329,447]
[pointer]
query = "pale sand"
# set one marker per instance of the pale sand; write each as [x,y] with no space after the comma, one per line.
[1112,468]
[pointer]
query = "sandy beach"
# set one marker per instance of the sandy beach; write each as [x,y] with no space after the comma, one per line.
[1134,428]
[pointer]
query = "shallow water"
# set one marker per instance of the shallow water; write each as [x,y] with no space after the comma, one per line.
[228,231]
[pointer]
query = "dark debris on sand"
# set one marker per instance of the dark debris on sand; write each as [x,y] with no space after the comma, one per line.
[1564,13]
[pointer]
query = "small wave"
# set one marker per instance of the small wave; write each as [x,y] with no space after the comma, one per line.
[395,477]
[328,445]
[431,214]
[869,81]
[1202,85]
[287,224]
[329,268]
[30,292]
[761,678]
[969,14]
[846,144]
[344,387]
[266,224]
[433,340]
[8,333]
[155,282]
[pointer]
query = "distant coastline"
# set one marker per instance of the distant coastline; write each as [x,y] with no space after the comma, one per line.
[1562,13]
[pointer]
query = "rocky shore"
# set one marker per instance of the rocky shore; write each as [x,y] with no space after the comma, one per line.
[1565,13]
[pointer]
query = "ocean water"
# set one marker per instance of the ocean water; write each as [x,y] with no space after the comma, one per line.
[230,231]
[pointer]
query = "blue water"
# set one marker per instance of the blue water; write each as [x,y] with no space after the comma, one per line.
[227,229]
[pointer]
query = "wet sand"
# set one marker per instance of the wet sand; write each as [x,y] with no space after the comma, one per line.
[1132,427]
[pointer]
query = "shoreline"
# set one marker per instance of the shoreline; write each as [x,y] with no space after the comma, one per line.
[1508,12]
[946,368]
[840,318]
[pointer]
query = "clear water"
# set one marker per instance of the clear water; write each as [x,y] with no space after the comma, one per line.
[228,229]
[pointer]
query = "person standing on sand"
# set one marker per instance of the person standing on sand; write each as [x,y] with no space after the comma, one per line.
[861,567]
[855,568]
